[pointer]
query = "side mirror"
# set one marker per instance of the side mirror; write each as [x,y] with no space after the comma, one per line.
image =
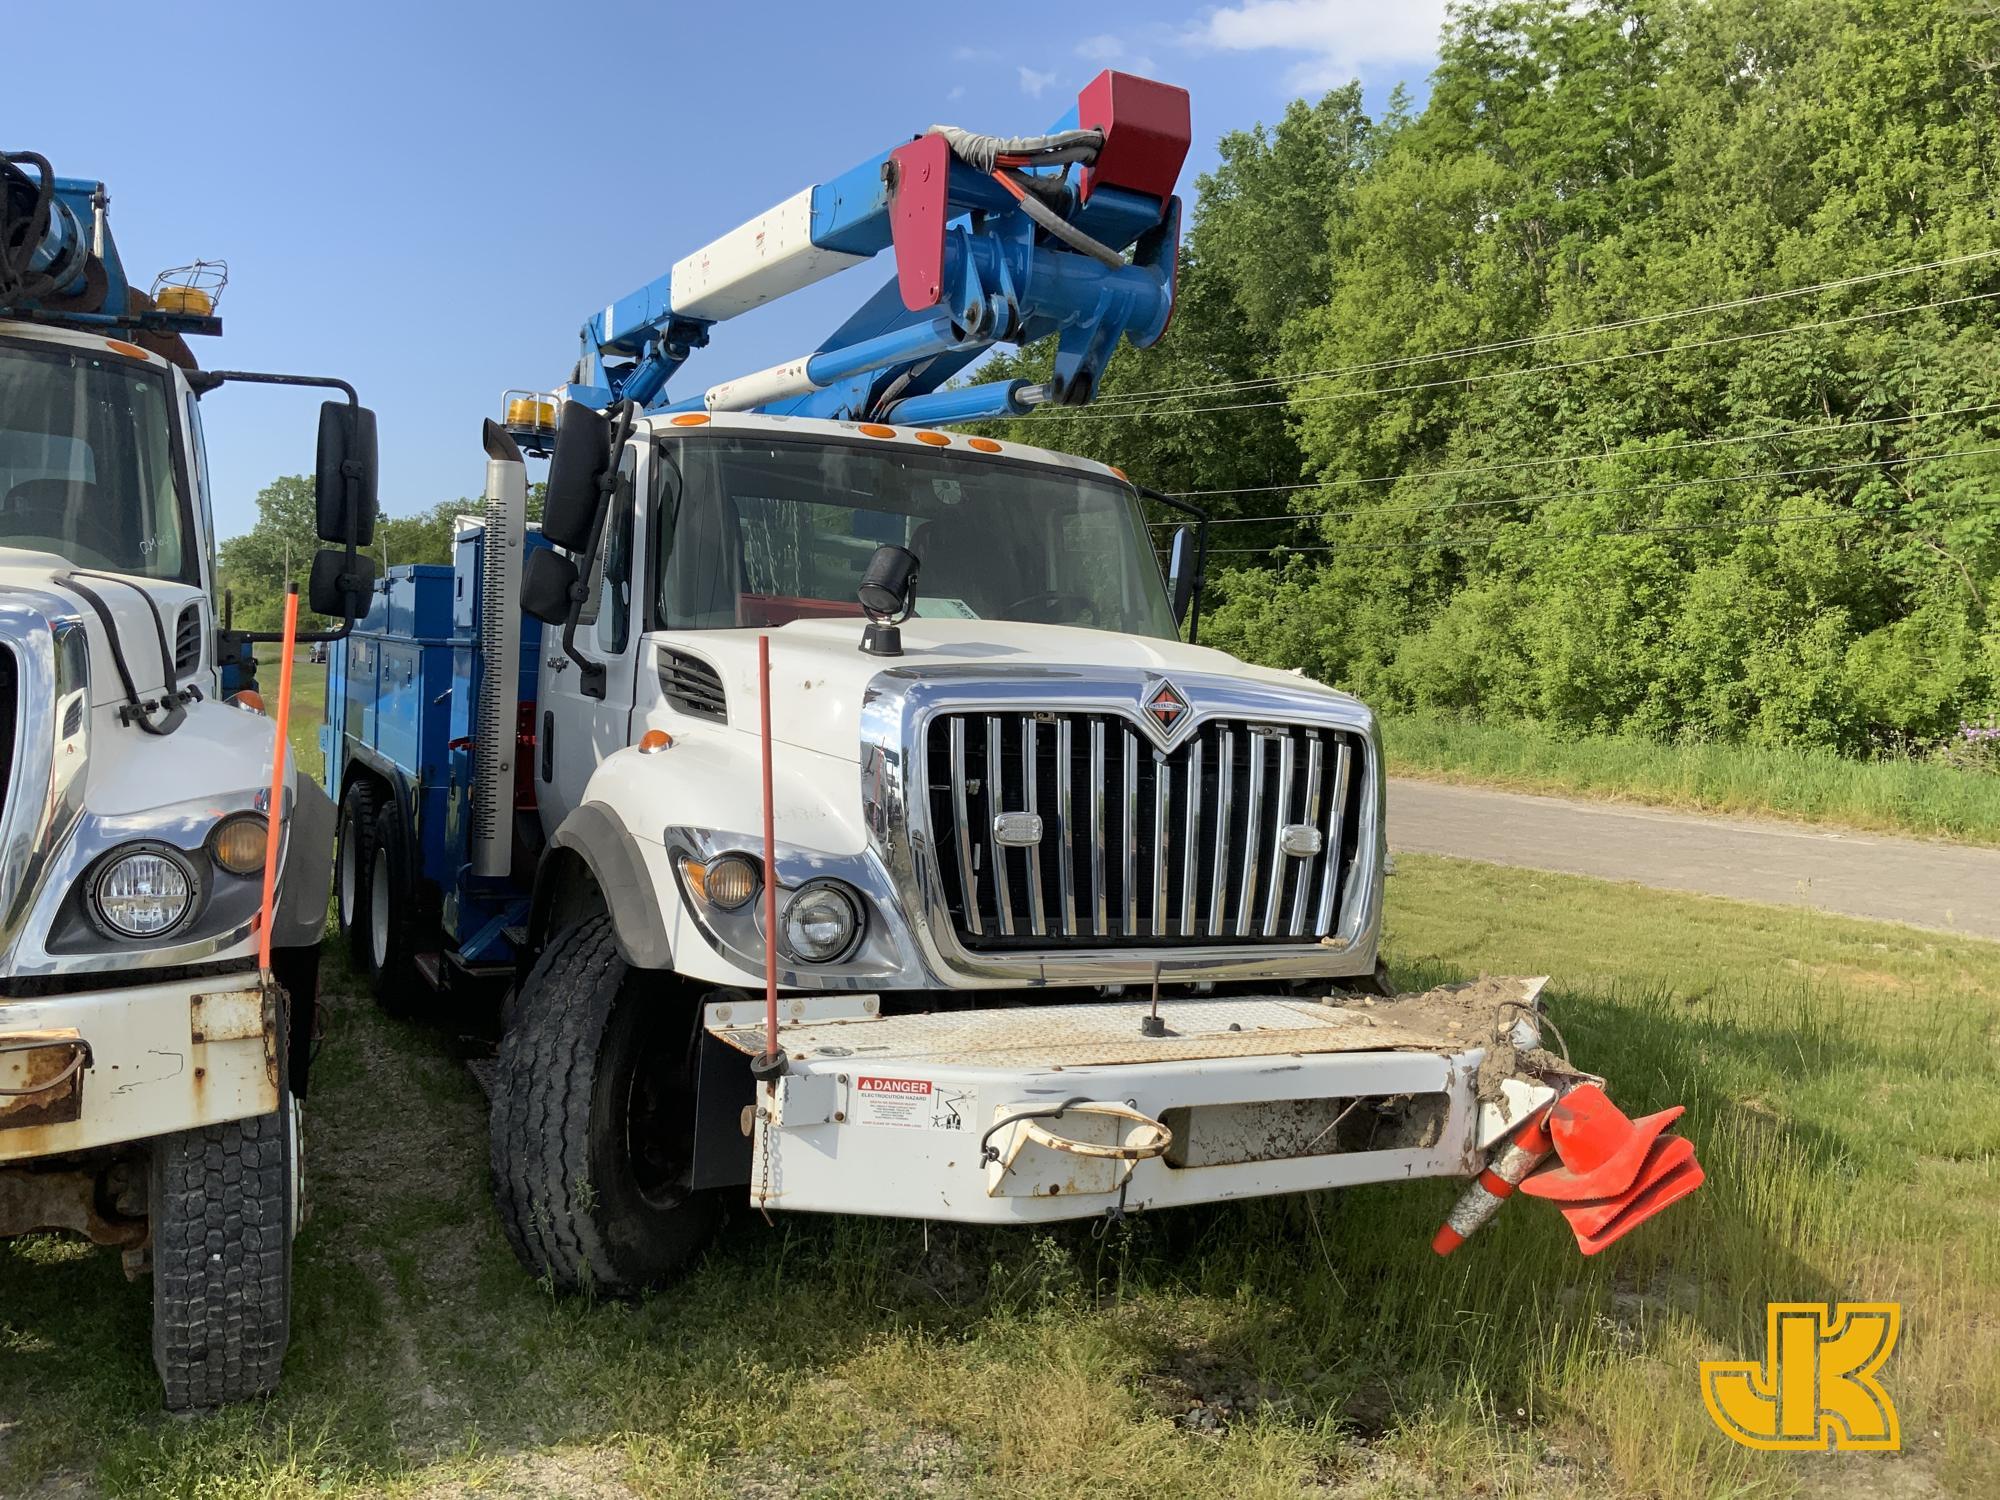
[338,590]
[546,582]
[344,485]
[574,493]
[1181,572]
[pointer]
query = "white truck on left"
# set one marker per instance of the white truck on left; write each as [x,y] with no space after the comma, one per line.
[151,1067]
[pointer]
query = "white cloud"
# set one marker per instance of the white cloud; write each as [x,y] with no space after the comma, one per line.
[1336,37]
[1109,51]
[1035,84]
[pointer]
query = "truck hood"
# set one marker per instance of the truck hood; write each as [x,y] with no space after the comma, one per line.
[819,674]
[125,597]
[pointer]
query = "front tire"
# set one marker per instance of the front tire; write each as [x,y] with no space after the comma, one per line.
[593,1123]
[224,1199]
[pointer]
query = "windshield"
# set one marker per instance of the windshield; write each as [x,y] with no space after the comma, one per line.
[87,461]
[755,532]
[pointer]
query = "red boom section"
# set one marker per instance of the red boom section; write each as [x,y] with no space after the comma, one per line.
[1146,133]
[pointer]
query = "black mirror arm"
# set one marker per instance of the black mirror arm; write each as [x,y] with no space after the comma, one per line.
[1200,518]
[204,381]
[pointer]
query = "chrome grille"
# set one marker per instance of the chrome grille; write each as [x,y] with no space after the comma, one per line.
[1140,847]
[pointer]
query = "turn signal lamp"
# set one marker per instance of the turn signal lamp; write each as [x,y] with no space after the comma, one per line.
[249,700]
[238,843]
[653,741]
[727,881]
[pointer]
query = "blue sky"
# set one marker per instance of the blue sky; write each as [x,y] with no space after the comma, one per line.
[427,199]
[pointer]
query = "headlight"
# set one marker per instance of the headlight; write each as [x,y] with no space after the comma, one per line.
[727,881]
[238,843]
[145,892]
[821,922]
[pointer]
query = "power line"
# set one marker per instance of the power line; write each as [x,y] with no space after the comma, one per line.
[1295,518]
[1530,341]
[1596,361]
[1739,524]
[1473,471]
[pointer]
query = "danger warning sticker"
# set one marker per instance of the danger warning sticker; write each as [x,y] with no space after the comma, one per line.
[911,1103]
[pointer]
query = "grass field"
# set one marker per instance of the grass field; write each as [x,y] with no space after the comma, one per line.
[1899,796]
[1843,1086]
[308,709]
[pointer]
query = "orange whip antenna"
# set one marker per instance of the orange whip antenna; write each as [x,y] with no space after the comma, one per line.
[276,811]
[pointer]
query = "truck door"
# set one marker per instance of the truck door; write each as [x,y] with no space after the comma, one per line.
[577,728]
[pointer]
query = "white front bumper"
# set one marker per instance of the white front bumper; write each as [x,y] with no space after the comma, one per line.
[162,1058]
[950,1115]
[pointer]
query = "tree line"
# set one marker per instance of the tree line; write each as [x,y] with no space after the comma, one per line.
[256,566]
[1776,522]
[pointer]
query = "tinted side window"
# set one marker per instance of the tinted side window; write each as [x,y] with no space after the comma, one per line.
[611,606]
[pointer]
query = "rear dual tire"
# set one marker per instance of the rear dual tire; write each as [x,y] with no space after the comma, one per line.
[357,819]
[378,901]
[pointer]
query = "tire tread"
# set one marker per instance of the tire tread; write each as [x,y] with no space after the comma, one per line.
[540,1138]
[222,1233]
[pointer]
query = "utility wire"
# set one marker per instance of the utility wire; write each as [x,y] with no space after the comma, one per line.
[1467,351]
[1596,361]
[1752,523]
[1511,465]
[1296,518]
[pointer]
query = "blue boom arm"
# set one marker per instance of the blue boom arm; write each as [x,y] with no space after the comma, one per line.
[1073,234]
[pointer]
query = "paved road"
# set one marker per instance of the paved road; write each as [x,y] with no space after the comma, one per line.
[1947,886]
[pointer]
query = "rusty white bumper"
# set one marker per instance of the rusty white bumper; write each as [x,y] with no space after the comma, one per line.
[109,1066]
[1045,1112]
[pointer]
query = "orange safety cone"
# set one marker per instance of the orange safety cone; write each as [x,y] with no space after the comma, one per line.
[1495,1185]
[1612,1172]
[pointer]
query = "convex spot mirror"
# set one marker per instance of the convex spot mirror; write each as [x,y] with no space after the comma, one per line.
[337,589]
[1181,571]
[547,581]
[575,490]
[344,481]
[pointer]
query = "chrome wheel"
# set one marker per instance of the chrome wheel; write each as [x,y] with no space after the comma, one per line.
[378,910]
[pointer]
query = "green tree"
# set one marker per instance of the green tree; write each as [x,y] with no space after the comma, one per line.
[256,565]
[1585,532]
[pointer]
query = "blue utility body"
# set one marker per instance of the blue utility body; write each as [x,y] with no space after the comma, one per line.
[401,700]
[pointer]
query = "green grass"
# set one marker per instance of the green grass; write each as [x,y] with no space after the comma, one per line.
[1843,1087]
[1900,796]
[308,706]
